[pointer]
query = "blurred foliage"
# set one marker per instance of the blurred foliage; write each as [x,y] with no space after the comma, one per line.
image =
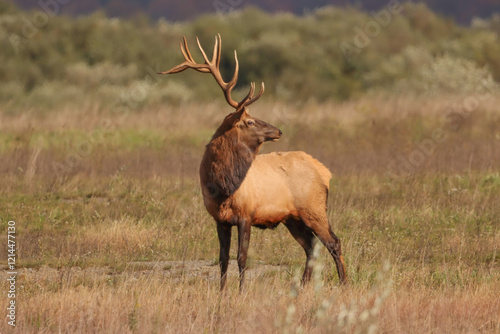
[49,61]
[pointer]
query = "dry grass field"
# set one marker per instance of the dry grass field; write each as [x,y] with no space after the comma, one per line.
[113,237]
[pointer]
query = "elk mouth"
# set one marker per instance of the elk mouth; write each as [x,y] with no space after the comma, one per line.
[275,136]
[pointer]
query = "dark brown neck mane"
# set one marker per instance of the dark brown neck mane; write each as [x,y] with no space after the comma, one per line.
[225,163]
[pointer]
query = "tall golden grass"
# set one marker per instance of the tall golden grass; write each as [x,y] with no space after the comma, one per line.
[113,236]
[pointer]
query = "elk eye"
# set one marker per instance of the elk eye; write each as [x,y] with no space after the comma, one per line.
[250,122]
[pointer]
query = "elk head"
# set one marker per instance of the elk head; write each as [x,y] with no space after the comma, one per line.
[249,130]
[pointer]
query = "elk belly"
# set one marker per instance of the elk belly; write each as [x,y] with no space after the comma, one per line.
[270,215]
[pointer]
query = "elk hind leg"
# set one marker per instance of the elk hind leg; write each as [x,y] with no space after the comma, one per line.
[306,239]
[321,228]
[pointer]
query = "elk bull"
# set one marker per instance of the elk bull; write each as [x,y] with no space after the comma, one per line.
[244,189]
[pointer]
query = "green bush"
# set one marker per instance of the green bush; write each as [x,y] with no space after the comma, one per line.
[298,57]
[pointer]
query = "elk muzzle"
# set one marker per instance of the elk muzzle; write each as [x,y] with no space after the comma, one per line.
[269,132]
[276,136]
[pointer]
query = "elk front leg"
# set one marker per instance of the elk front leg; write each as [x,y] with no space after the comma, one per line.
[243,243]
[224,233]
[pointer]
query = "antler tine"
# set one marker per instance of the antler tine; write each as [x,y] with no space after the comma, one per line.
[249,95]
[256,97]
[216,53]
[185,50]
[188,63]
[202,51]
[234,79]
[218,49]
[189,59]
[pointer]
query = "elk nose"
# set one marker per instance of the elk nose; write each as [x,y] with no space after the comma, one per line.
[280,132]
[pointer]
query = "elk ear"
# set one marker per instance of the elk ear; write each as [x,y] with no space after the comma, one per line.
[236,116]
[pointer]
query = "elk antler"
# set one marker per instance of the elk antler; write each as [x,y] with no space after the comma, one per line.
[213,67]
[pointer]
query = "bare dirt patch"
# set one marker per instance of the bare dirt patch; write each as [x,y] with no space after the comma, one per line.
[168,270]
